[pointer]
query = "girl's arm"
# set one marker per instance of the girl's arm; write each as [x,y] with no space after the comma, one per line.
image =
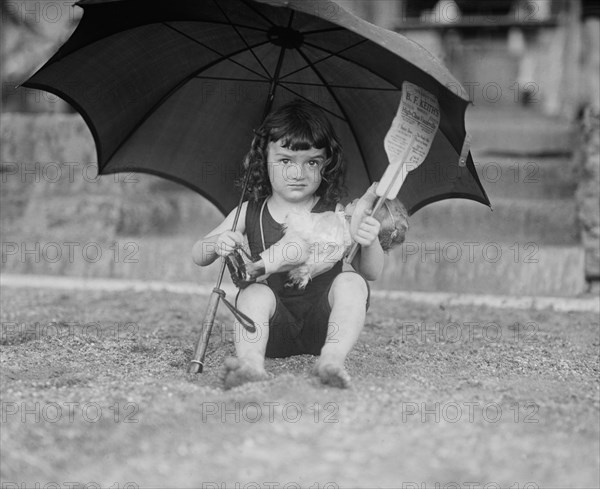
[221,241]
[364,229]
[369,260]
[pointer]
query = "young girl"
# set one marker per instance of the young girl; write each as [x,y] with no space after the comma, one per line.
[295,164]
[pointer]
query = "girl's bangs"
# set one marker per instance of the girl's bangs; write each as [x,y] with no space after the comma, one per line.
[298,138]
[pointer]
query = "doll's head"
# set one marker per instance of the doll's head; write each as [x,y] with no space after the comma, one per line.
[394,222]
[298,126]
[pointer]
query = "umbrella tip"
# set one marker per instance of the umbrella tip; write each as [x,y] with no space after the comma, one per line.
[464,153]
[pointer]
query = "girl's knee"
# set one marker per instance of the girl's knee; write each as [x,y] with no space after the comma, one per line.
[256,295]
[349,286]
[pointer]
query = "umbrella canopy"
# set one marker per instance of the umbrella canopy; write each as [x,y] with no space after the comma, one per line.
[175,89]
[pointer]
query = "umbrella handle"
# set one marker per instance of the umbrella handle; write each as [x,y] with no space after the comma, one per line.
[244,320]
[197,363]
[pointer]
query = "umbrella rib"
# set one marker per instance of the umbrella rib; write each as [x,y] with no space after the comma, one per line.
[346,86]
[329,29]
[348,60]
[242,38]
[223,57]
[354,63]
[313,102]
[258,13]
[331,55]
[333,95]
[230,79]
[165,97]
[218,22]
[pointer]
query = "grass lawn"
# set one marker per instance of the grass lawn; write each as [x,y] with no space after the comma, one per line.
[94,390]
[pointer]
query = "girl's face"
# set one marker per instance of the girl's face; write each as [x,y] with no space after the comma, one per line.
[295,175]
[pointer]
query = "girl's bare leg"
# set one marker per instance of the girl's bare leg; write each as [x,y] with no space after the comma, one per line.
[258,302]
[347,297]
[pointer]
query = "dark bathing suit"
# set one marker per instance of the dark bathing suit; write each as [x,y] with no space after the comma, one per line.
[299,324]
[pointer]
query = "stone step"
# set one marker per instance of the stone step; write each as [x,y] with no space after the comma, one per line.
[548,221]
[146,258]
[485,268]
[526,177]
[494,268]
[515,130]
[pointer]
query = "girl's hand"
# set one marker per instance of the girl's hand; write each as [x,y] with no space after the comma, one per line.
[368,230]
[361,209]
[229,241]
[364,228]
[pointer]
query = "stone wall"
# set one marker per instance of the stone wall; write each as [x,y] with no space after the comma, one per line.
[587,158]
[50,182]
[138,226]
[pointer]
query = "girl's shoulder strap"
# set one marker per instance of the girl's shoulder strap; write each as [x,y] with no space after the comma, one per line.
[253,210]
[253,227]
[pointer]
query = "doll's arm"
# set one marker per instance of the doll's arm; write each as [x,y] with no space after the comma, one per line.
[283,256]
[289,252]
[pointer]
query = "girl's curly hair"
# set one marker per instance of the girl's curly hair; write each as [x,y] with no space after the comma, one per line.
[300,126]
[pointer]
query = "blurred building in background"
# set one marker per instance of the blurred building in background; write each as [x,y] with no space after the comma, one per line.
[32,31]
[540,53]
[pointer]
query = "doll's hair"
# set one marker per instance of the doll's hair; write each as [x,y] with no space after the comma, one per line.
[394,224]
[300,126]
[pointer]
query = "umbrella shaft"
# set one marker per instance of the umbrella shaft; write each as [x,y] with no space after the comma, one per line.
[197,363]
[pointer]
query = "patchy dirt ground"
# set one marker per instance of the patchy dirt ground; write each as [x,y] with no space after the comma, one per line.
[94,391]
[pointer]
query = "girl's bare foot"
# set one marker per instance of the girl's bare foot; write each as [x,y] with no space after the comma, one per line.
[332,374]
[238,371]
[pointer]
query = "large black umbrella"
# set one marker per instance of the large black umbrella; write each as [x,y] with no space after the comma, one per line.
[175,88]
